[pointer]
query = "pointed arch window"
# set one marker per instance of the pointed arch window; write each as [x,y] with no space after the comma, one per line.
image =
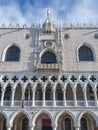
[4,125]
[13,54]
[85,54]
[48,58]
[67,124]
[83,124]
[25,124]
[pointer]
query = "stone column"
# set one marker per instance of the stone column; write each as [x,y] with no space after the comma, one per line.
[23,98]
[12,99]
[75,99]
[2,97]
[8,127]
[85,97]
[23,94]
[44,90]
[33,97]
[54,127]
[77,127]
[31,127]
[54,101]
[64,97]
[95,96]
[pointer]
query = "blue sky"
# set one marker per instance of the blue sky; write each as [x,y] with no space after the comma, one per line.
[32,11]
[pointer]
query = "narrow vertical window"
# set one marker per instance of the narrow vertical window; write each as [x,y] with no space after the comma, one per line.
[83,124]
[67,124]
[25,124]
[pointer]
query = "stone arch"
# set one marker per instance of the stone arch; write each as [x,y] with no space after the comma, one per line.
[18,91]
[89,92]
[79,92]
[5,115]
[46,50]
[7,47]
[26,85]
[38,92]
[65,112]
[95,117]
[12,117]
[35,116]
[18,83]
[69,90]
[59,91]
[87,45]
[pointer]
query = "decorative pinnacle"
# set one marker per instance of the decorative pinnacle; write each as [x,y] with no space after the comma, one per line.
[48,14]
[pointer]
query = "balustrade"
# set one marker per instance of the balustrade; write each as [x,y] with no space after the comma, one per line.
[69,103]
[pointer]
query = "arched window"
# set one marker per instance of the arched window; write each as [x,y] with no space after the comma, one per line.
[83,124]
[4,125]
[48,58]
[85,54]
[13,54]
[67,124]
[25,124]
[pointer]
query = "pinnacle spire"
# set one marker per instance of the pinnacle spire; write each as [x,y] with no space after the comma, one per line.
[48,14]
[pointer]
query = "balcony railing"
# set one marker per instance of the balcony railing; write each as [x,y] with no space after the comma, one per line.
[48,103]
[57,66]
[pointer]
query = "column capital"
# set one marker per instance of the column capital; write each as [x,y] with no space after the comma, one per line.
[63,89]
[33,89]
[13,89]
[74,89]
[43,89]
[53,89]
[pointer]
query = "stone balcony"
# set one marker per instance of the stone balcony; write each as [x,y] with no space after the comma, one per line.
[54,67]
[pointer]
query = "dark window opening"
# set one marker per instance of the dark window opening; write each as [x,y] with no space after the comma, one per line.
[83,124]
[4,125]
[85,54]
[67,124]
[13,54]
[48,58]
[25,124]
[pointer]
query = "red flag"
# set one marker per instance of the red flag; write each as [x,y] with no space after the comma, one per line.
[22,104]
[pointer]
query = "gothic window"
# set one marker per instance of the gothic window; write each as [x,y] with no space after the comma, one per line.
[25,124]
[83,124]
[13,54]
[7,95]
[48,58]
[4,125]
[85,54]
[67,124]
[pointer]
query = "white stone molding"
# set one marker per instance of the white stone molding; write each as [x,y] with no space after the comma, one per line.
[12,97]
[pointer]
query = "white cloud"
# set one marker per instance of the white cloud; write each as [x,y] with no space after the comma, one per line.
[81,11]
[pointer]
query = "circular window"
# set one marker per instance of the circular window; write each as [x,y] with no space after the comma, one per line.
[96,35]
[48,44]
[27,36]
[66,36]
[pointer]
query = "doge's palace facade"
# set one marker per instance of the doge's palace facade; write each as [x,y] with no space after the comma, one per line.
[49,77]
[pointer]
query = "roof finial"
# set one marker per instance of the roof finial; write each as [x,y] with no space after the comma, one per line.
[48,14]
